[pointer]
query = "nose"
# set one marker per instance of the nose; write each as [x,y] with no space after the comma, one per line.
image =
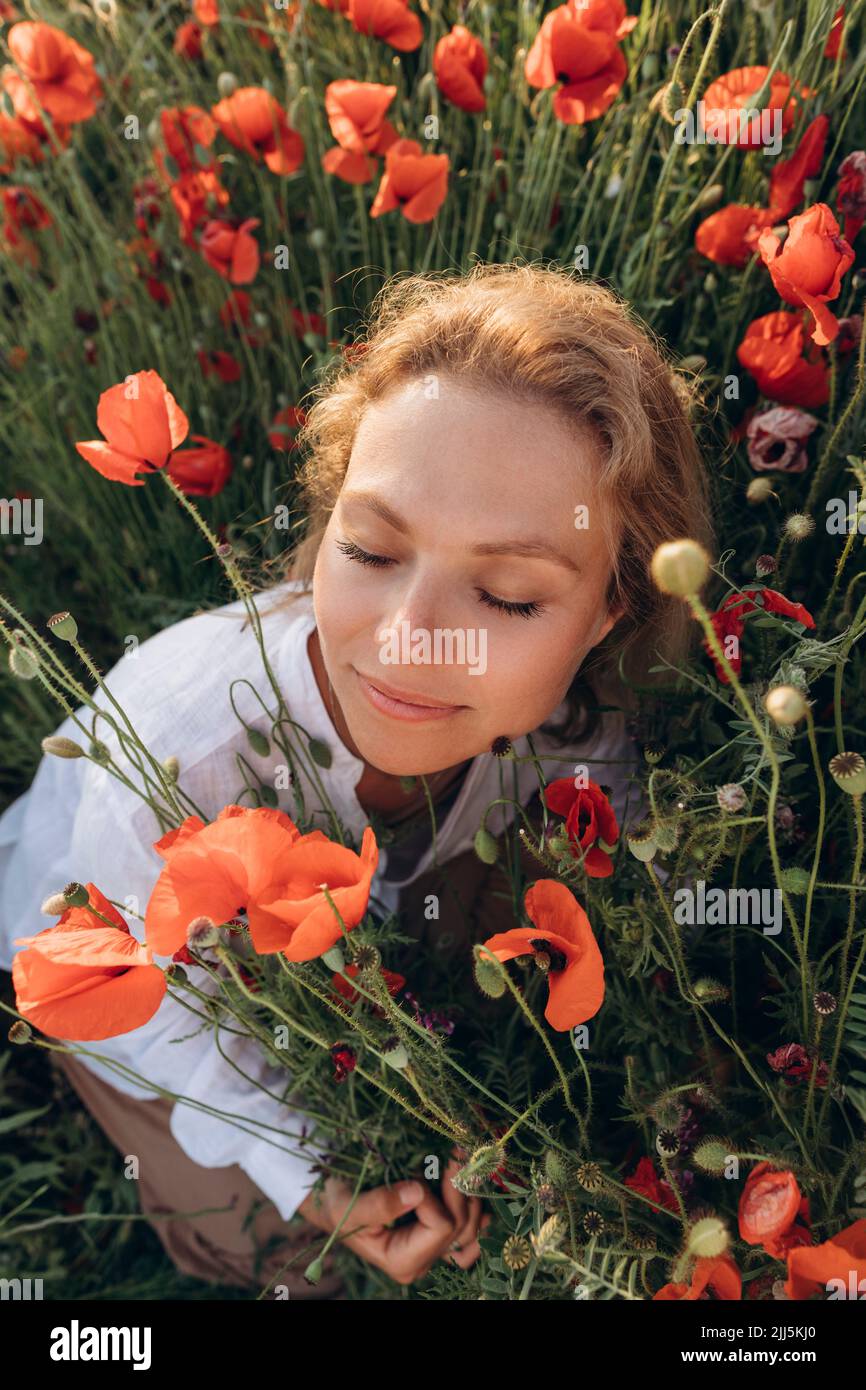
[422,601]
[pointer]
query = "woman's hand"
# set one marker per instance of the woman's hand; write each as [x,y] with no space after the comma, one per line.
[446,1229]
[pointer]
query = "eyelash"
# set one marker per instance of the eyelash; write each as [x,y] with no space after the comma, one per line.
[363,557]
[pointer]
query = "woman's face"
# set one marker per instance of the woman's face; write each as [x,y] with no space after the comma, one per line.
[458,568]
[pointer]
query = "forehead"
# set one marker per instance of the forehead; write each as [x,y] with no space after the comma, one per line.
[438,440]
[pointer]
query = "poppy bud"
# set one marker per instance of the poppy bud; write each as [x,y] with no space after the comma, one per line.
[848,771]
[488,976]
[227,84]
[680,567]
[759,490]
[76,895]
[485,846]
[693,363]
[99,752]
[667,834]
[55,905]
[22,664]
[318,239]
[710,198]
[20,1032]
[258,742]
[708,1239]
[731,797]
[713,1154]
[395,1054]
[709,991]
[62,747]
[172,768]
[334,958]
[785,705]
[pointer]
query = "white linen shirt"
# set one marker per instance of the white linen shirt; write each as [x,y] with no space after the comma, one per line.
[77,822]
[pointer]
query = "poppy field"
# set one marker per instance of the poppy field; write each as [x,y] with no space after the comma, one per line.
[198,205]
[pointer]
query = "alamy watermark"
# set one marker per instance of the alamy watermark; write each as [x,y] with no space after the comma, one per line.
[725,125]
[441,646]
[22,516]
[759,907]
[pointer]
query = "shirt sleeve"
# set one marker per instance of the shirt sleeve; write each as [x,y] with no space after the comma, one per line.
[78,822]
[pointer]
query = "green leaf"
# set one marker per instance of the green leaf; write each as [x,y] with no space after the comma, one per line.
[320,752]
[22,1118]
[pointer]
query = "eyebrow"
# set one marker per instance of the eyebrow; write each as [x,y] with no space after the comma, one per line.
[528,547]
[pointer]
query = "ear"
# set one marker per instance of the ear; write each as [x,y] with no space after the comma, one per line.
[613,616]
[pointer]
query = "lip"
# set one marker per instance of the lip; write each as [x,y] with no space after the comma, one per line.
[388,701]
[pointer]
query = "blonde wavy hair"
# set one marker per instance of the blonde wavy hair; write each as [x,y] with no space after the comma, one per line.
[539,334]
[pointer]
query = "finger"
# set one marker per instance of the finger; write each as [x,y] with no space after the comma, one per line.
[375,1209]
[467,1256]
[456,1201]
[415,1247]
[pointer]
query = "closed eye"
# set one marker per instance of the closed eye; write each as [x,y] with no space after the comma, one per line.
[365,557]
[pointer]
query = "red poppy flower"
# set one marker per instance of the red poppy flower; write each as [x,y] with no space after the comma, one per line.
[720,1274]
[842,1258]
[202,471]
[23,211]
[808,268]
[414,182]
[772,351]
[284,426]
[647,1182]
[307,925]
[188,41]
[590,822]
[83,980]
[55,74]
[185,129]
[301,324]
[788,177]
[231,251]
[577,49]
[218,870]
[220,364]
[196,196]
[356,115]
[17,141]
[142,423]
[834,37]
[769,1206]
[344,1060]
[207,12]
[393,982]
[389,20]
[734,93]
[728,622]
[254,121]
[235,316]
[460,67]
[563,942]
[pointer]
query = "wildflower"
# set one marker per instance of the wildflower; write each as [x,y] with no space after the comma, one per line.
[777,439]
[772,351]
[142,424]
[808,269]
[284,426]
[188,41]
[230,250]
[734,92]
[731,797]
[344,1060]
[561,940]
[54,74]
[393,982]
[84,980]
[389,20]
[202,471]
[207,12]
[813,1269]
[414,182]
[728,622]
[221,364]
[356,115]
[768,1210]
[460,67]
[590,823]
[646,1181]
[795,1064]
[577,50]
[255,122]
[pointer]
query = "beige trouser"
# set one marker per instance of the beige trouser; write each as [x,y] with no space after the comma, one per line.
[223,1247]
